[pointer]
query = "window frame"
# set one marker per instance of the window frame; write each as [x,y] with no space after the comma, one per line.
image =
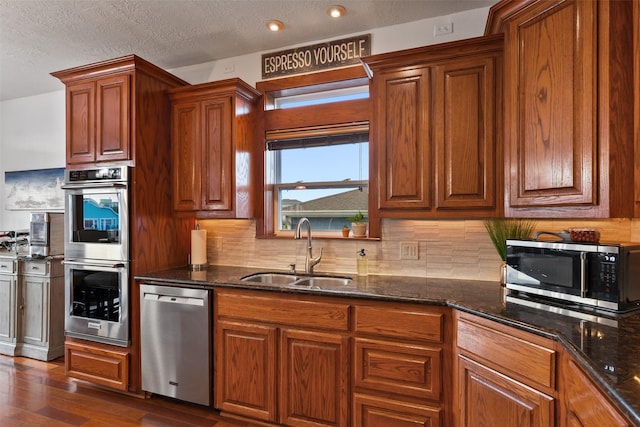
[317,115]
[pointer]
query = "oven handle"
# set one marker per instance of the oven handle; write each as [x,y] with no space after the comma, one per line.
[88,264]
[89,186]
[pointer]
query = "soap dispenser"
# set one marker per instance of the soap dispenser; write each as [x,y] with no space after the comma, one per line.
[362,263]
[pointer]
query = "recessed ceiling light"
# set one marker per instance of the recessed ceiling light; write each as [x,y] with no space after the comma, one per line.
[274,25]
[336,11]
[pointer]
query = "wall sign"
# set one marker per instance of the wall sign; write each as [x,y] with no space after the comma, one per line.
[321,56]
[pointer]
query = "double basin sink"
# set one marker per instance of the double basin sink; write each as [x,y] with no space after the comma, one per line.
[298,281]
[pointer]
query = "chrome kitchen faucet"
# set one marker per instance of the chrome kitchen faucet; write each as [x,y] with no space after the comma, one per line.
[309,261]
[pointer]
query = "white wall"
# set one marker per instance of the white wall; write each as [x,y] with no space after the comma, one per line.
[32,136]
[32,129]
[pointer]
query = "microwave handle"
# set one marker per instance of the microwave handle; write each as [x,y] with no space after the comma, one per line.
[583,274]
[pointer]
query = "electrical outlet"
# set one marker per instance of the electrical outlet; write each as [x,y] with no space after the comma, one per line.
[229,69]
[217,243]
[408,250]
[442,29]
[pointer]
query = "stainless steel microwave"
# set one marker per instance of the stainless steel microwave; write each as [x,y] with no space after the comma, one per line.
[605,276]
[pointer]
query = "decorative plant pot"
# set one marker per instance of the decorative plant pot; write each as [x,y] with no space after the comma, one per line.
[345,231]
[359,229]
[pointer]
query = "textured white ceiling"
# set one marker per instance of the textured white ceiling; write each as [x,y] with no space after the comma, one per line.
[41,36]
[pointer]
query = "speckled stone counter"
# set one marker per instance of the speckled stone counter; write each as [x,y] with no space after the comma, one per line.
[608,347]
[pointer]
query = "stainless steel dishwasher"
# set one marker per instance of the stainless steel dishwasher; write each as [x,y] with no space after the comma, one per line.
[175,333]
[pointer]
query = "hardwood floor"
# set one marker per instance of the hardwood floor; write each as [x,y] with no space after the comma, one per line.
[35,393]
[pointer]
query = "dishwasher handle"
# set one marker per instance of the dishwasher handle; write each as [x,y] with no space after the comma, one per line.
[173,299]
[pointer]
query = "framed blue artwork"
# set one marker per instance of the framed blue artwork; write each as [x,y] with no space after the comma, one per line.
[34,190]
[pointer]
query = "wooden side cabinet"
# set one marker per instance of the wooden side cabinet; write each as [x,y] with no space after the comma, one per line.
[436,145]
[213,148]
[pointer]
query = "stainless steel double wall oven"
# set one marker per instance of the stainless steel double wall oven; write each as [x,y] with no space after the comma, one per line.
[97,260]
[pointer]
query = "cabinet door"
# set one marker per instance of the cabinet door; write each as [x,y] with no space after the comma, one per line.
[245,369]
[8,308]
[488,398]
[81,99]
[35,313]
[113,129]
[465,134]
[584,404]
[313,379]
[217,152]
[186,152]
[550,105]
[403,100]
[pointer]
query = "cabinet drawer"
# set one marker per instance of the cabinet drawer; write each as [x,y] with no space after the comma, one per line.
[8,266]
[35,268]
[370,411]
[411,370]
[413,324]
[284,310]
[508,352]
[98,365]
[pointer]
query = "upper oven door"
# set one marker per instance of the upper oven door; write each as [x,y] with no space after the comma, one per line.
[97,221]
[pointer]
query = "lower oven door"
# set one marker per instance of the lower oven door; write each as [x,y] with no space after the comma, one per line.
[96,301]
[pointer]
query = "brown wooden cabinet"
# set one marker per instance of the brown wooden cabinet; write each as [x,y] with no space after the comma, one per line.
[505,376]
[583,403]
[98,125]
[305,340]
[401,365]
[213,148]
[568,107]
[118,112]
[436,149]
[106,108]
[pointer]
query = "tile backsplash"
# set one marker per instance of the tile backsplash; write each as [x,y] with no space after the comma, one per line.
[458,249]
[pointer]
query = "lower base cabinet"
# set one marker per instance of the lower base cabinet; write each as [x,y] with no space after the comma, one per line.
[583,404]
[505,377]
[97,363]
[281,359]
[32,308]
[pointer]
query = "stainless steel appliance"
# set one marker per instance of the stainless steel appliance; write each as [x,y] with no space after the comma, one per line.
[46,231]
[97,259]
[176,342]
[97,213]
[97,300]
[606,276]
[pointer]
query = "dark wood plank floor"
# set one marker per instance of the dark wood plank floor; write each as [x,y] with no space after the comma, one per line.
[35,393]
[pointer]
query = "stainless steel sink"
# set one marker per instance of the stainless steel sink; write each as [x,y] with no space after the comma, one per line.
[296,281]
[321,282]
[271,278]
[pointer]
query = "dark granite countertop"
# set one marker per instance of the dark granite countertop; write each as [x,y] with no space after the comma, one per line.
[608,347]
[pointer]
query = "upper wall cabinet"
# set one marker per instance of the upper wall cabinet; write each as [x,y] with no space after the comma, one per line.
[213,148]
[435,145]
[568,107]
[107,108]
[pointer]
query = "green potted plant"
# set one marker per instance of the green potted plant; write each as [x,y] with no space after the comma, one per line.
[501,229]
[358,224]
